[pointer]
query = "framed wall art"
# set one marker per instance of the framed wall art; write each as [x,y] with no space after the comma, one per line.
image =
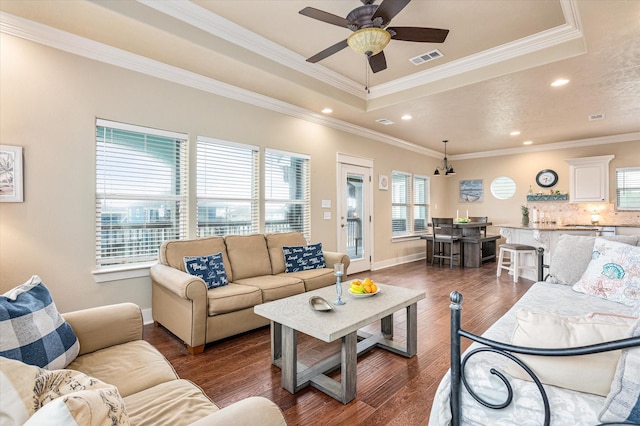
[383,182]
[11,185]
[471,191]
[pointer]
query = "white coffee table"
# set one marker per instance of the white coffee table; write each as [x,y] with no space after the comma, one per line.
[293,314]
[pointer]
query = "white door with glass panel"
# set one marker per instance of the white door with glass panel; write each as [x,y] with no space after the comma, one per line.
[354,216]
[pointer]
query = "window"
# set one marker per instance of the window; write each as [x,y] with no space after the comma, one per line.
[227,176]
[141,180]
[409,204]
[287,192]
[628,188]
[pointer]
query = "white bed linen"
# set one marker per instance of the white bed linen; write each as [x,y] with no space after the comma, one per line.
[567,407]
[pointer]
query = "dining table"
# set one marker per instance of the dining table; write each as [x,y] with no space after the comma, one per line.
[477,246]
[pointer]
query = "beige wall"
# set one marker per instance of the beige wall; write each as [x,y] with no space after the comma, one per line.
[49,101]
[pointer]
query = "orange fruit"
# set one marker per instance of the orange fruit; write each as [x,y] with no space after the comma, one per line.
[367,288]
[374,288]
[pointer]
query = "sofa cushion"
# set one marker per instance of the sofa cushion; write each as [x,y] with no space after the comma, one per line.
[275,242]
[232,297]
[573,254]
[178,402]
[275,287]
[550,330]
[623,402]
[314,278]
[37,394]
[248,256]
[32,329]
[131,367]
[613,273]
[303,258]
[172,253]
[209,268]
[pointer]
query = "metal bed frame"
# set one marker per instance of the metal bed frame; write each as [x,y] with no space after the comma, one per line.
[458,362]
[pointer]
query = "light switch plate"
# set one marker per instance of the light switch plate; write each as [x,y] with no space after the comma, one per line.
[326,204]
[327,215]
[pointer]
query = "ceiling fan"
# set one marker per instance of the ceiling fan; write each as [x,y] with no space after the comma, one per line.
[370,31]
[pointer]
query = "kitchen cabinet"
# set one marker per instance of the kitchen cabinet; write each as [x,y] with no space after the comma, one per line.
[589,179]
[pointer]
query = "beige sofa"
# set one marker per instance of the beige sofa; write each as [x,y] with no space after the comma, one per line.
[112,350]
[255,269]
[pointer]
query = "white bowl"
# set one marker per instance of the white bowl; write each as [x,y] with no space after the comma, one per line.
[363,294]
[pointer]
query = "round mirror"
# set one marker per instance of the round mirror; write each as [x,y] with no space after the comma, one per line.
[503,187]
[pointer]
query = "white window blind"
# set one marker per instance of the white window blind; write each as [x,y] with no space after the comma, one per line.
[420,204]
[400,187]
[227,176]
[628,188]
[141,180]
[287,195]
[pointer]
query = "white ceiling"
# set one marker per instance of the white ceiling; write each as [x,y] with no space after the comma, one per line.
[499,60]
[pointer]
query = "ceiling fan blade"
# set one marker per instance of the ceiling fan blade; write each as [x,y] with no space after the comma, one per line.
[424,35]
[328,52]
[378,62]
[388,9]
[327,17]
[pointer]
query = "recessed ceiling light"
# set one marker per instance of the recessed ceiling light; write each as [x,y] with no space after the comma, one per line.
[514,133]
[406,117]
[559,82]
[327,111]
[527,142]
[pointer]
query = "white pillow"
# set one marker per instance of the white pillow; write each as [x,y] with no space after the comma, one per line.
[613,273]
[549,330]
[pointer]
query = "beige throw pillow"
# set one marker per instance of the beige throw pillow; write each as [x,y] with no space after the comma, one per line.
[549,330]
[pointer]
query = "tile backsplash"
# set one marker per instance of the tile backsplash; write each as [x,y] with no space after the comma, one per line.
[563,213]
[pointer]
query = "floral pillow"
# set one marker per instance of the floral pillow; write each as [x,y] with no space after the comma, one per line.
[613,273]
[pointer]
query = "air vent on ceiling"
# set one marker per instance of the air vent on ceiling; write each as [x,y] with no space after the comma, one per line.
[384,121]
[426,57]
[594,117]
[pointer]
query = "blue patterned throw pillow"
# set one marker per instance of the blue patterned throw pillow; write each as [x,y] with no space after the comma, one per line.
[32,329]
[209,268]
[302,258]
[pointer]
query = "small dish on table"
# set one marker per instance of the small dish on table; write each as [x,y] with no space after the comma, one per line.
[318,303]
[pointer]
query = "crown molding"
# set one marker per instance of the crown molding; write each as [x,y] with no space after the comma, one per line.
[199,17]
[604,140]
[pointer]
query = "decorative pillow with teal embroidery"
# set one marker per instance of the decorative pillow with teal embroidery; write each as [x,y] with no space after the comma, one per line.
[302,258]
[613,272]
[209,268]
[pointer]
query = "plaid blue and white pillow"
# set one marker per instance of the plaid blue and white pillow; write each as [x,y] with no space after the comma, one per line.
[209,268]
[302,258]
[32,329]
[623,402]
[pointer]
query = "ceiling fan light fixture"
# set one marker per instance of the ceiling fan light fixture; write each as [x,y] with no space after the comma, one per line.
[369,41]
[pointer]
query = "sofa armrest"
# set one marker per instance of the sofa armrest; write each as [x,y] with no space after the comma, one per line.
[176,281]
[251,411]
[331,257]
[105,326]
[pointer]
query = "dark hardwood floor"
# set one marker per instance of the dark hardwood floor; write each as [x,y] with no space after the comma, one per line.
[392,390]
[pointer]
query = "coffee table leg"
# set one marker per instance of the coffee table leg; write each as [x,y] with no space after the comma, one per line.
[349,366]
[276,342]
[289,359]
[412,329]
[386,326]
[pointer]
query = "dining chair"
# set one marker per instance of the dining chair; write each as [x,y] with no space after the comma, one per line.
[480,219]
[443,236]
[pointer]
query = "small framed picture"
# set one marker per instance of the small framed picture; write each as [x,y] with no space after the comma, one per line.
[383,182]
[11,174]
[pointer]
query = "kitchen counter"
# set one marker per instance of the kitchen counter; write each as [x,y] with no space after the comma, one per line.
[556,227]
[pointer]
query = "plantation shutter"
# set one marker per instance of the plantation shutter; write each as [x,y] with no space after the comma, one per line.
[227,191]
[399,203]
[287,192]
[628,188]
[141,199]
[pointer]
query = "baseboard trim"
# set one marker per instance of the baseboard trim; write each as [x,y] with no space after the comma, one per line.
[397,261]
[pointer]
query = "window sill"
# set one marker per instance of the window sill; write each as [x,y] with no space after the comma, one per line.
[116,273]
[404,238]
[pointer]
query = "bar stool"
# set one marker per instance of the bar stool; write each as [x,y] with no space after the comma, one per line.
[513,262]
[443,234]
